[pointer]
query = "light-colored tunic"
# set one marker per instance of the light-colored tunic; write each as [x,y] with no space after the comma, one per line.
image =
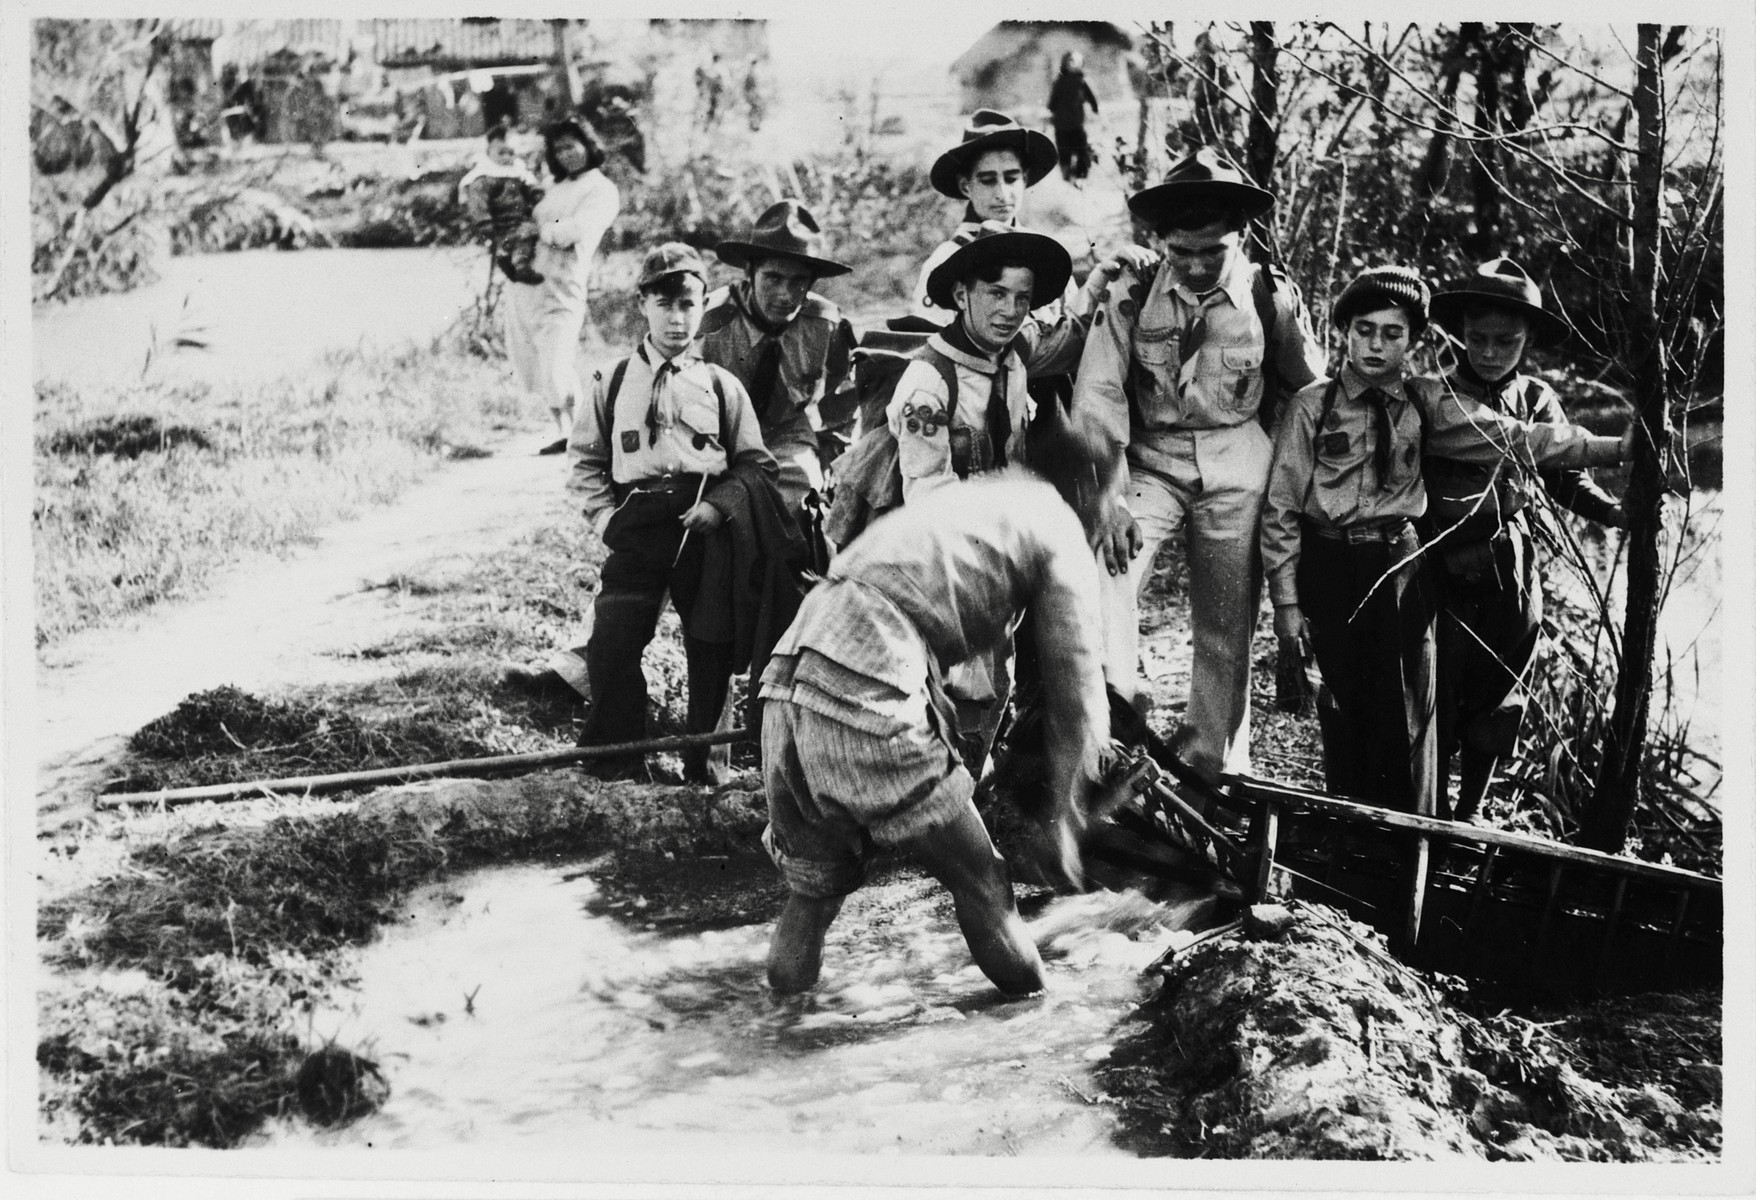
[543,320]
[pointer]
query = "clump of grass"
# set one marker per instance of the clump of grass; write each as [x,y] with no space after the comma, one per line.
[226,735]
[126,436]
[235,471]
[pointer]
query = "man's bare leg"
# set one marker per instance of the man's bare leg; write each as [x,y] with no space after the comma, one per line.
[961,856]
[795,956]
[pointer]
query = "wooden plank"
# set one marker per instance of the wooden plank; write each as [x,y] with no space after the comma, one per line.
[1265,845]
[1479,894]
[1610,927]
[1416,866]
[1550,906]
[450,769]
[1676,939]
[1257,789]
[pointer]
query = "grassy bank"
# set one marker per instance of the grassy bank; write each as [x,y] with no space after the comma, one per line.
[144,491]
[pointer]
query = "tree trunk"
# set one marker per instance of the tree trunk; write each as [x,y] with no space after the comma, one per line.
[1259,150]
[1487,164]
[1435,168]
[565,70]
[1617,791]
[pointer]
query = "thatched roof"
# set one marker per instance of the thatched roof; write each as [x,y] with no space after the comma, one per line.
[1008,39]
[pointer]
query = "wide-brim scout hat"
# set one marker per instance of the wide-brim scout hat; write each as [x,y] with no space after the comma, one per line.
[994,242]
[1502,283]
[989,130]
[1201,178]
[672,258]
[787,230]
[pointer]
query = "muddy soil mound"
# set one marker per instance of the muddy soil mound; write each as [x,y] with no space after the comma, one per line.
[226,735]
[1314,1043]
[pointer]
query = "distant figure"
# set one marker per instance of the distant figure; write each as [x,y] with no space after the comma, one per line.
[1067,100]
[501,195]
[753,96]
[710,89]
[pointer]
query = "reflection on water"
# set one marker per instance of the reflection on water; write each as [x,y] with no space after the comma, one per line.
[505,1012]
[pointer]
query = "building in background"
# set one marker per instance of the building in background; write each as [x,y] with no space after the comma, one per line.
[1012,66]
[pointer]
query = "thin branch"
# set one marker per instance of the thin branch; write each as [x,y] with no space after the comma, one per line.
[1514,141]
[1246,106]
[1547,53]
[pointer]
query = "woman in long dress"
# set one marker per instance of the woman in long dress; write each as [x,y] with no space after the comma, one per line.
[543,320]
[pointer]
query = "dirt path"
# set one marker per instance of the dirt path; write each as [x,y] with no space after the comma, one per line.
[271,625]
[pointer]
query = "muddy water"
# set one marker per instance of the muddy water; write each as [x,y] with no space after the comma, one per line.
[514,1010]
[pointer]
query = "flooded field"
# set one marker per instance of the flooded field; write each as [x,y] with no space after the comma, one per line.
[525,1007]
[259,313]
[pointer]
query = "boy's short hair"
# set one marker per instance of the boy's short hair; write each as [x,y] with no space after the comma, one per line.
[990,272]
[497,132]
[1185,218]
[671,286]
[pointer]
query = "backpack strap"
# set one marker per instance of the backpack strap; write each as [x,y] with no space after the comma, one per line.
[1263,282]
[947,371]
[616,377]
[1329,394]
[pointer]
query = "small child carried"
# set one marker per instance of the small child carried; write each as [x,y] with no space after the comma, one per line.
[500,194]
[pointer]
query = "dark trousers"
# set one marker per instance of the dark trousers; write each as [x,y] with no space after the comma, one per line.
[644,538]
[1074,150]
[1379,738]
[1490,611]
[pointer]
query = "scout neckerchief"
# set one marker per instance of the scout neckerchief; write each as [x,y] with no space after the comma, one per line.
[999,422]
[765,368]
[661,370]
[1384,434]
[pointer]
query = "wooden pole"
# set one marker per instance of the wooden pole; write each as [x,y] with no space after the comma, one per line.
[454,768]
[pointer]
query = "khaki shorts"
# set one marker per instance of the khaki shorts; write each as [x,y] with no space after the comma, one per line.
[835,791]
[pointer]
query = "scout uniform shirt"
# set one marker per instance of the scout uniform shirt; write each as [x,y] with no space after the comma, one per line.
[935,442]
[668,422]
[1477,498]
[812,364]
[1191,362]
[1330,475]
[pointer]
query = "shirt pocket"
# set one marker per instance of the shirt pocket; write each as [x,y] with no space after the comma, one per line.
[1240,372]
[698,410]
[1152,345]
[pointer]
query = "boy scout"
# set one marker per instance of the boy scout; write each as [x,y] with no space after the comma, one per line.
[790,348]
[1490,592]
[1181,366]
[857,745]
[650,459]
[1345,567]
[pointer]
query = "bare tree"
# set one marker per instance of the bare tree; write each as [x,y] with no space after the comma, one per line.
[1619,769]
[102,75]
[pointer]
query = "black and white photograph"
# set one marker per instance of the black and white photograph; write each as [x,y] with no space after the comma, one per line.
[893,600]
